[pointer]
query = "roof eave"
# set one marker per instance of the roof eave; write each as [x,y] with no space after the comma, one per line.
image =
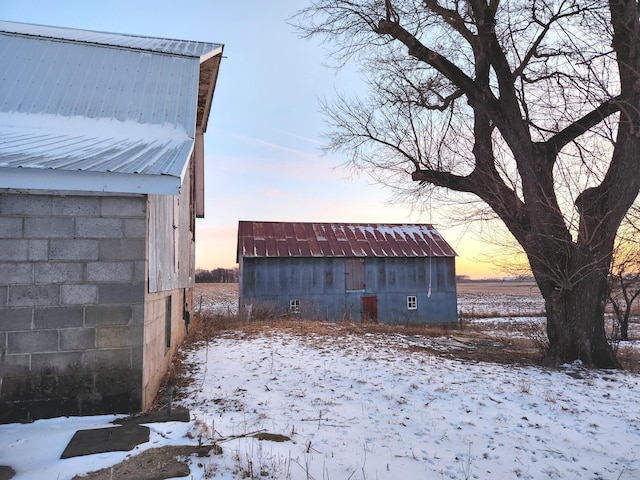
[88,181]
[209,69]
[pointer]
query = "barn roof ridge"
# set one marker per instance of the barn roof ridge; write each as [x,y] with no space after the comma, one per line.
[170,46]
[340,239]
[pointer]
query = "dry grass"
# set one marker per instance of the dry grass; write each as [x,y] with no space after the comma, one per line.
[491,344]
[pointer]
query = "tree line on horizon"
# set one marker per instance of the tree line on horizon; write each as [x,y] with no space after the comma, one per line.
[217,275]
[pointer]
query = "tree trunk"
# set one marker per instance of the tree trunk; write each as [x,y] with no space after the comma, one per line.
[624,324]
[575,323]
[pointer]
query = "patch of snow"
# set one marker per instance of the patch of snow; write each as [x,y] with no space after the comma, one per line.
[369,406]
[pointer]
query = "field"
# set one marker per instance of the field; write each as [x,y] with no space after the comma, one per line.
[483,298]
[503,320]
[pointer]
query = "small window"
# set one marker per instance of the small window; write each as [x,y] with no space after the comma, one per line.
[167,324]
[294,305]
[412,302]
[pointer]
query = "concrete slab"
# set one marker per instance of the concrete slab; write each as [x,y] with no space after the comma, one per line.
[111,439]
[6,473]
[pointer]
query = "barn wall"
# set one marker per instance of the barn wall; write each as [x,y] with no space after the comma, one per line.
[320,285]
[72,291]
[171,266]
[172,238]
[161,338]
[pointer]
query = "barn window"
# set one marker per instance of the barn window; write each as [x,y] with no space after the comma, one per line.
[294,305]
[354,274]
[167,323]
[412,302]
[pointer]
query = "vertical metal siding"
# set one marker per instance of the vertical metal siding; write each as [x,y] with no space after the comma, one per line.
[320,286]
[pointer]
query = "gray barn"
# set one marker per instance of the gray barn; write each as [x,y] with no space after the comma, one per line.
[335,271]
[101,180]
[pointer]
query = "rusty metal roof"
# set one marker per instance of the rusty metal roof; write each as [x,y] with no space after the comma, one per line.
[297,239]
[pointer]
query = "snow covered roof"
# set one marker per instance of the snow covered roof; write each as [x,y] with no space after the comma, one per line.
[295,239]
[93,111]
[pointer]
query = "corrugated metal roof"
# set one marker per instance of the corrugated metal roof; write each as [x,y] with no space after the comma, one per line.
[79,101]
[297,239]
[162,45]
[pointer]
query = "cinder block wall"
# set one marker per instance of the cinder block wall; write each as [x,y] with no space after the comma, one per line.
[72,292]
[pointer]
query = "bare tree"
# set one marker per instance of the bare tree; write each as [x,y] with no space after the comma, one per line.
[624,279]
[530,107]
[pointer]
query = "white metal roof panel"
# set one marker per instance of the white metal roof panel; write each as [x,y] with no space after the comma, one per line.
[139,42]
[94,102]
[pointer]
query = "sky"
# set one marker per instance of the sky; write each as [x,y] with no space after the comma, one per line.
[263,142]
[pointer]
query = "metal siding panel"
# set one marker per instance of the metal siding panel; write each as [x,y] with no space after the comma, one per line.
[334,245]
[303,248]
[271,249]
[282,248]
[312,240]
[325,249]
[292,247]
[260,247]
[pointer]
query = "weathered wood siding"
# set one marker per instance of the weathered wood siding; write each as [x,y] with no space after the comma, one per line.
[171,239]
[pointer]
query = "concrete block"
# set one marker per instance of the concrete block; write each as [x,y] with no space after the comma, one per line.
[58,272]
[25,204]
[107,315]
[16,273]
[78,294]
[140,271]
[33,295]
[14,250]
[124,207]
[58,317]
[109,271]
[16,365]
[97,227]
[137,358]
[10,227]
[38,250]
[15,319]
[119,337]
[138,314]
[76,206]
[49,227]
[77,339]
[4,296]
[32,342]
[122,249]
[58,361]
[109,293]
[76,249]
[135,227]
[119,358]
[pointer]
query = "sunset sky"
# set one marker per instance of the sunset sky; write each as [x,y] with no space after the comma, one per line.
[262,146]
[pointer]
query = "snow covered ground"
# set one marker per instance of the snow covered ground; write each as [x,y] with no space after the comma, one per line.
[371,406]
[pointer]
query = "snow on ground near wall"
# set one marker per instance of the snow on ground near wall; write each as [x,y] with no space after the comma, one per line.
[370,407]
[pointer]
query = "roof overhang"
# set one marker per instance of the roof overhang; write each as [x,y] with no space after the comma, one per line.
[83,181]
[103,133]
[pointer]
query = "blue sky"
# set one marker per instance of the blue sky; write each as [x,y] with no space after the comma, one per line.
[262,146]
